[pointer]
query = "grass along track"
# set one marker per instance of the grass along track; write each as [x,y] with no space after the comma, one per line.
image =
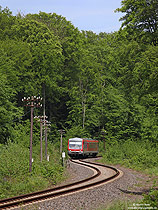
[101,175]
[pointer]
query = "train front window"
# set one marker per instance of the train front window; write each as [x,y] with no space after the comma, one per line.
[75,145]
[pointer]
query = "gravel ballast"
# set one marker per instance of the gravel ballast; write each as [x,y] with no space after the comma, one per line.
[129,187]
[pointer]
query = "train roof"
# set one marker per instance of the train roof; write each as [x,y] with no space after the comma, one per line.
[80,139]
[76,139]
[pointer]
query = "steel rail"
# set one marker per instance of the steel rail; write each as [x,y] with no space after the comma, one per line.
[51,193]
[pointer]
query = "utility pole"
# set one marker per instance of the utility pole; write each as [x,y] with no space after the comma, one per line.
[41,129]
[61,139]
[103,132]
[44,120]
[32,102]
[46,124]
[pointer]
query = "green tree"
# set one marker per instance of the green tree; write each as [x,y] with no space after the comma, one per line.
[8,109]
[146,74]
[141,19]
[18,55]
[70,40]
[82,93]
[6,22]
[47,59]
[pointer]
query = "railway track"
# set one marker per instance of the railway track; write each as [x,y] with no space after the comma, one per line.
[101,174]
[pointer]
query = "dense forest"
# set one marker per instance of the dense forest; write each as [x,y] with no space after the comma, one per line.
[92,82]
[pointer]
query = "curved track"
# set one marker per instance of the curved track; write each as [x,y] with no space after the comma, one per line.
[101,174]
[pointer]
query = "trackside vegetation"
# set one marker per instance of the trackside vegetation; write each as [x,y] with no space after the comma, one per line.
[134,155]
[15,178]
[137,156]
[91,83]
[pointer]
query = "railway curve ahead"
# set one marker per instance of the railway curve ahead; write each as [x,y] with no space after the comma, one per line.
[101,175]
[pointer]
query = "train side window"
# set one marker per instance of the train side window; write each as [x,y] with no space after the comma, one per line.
[92,145]
[85,145]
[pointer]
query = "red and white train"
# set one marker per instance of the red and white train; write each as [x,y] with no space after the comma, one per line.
[82,147]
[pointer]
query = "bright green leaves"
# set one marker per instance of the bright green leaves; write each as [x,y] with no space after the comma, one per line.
[6,22]
[91,81]
[8,110]
[17,57]
[32,32]
[147,68]
[141,19]
[84,90]
[45,49]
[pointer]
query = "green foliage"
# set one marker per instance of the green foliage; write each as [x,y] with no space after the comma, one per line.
[15,178]
[8,109]
[76,131]
[6,21]
[52,172]
[149,202]
[14,163]
[133,154]
[119,205]
[140,19]
[15,60]
[140,155]
[91,81]
[151,198]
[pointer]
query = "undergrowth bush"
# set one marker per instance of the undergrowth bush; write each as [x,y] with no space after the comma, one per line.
[135,154]
[151,198]
[117,205]
[15,178]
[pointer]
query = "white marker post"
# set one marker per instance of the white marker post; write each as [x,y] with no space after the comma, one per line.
[47,157]
[63,156]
